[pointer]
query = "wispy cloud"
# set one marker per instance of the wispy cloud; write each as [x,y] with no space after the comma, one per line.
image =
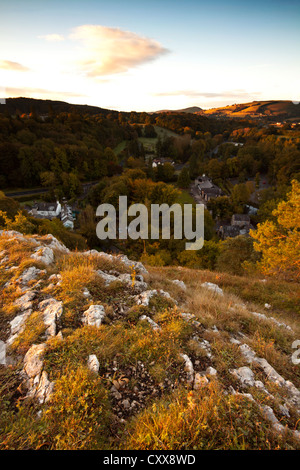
[15,66]
[42,93]
[52,37]
[108,51]
[201,94]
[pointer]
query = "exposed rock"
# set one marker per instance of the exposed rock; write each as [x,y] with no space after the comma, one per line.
[189,368]
[272,374]
[108,278]
[55,244]
[94,315]
[18,323]
[52,309]
[44,388]
[55,277]
[213,287]
[137,284]
[187,316]
[126,404]
[44,255]
[278,323]
[200,381]
[93,363]
[144,297]
[154,325]
[137,265]
[166,295]
[25,301]
[179,283]
[86,292]
[29,275]
[33,360]
[211,371]
[245,376]
[204,344]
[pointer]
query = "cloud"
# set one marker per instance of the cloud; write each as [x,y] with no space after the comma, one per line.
[52,37]
[200,94]
[15,66]
[108,51]
[41,93]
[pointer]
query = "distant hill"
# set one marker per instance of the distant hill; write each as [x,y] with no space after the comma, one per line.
[43,107]
[258,109]
[192,110]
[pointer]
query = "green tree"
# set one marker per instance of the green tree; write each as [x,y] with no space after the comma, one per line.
[184,179]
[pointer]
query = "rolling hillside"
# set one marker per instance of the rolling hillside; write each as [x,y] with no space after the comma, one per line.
[258,109]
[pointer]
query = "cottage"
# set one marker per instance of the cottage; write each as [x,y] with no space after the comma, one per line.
[228,231]
[240,220]
[67,216]
[46,210]
[203,182]
[210,193]
[53,210]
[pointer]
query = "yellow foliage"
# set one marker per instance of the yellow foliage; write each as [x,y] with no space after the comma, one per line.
[279,242]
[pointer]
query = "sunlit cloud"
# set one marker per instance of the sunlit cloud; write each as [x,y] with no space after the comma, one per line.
[108,51]
[13,66]
[27,92]
[52,37]
[200,94]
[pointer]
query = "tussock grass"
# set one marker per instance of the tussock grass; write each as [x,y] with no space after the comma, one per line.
[203,420]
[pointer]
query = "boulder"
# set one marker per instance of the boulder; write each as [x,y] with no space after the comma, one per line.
[94,315]
[213,287]
[33,360]
[154,325]
[93,363]
[44,254]
[52,310]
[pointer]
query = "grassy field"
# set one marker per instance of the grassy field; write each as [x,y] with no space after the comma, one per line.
[148,142]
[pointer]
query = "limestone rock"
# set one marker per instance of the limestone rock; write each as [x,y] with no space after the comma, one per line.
[25,301]
[179,284]
[108,278]
[94,315]
[189,368]
[93,363]
[52,310]
[144,297]
[44,254]
[200,381]
[33,360]
[245,376]
[29,274]
[18,323]
[154,325]
[213,287]
[44,388]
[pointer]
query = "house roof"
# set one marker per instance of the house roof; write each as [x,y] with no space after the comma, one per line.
[241,217]
[45,206]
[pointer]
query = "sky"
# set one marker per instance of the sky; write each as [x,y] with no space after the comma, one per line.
[150,55]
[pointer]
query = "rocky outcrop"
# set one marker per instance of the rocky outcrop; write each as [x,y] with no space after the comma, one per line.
[52,310]
[36,379]
[94,315]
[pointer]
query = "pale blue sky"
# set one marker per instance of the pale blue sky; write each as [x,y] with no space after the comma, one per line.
[150,55]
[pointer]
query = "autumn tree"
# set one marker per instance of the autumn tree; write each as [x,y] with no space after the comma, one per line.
[278,240]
